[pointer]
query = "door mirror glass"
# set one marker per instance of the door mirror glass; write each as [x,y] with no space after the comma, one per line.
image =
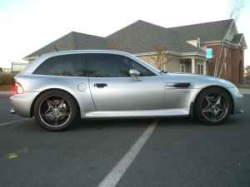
[134,73]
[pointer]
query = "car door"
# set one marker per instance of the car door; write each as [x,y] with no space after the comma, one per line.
[112,87]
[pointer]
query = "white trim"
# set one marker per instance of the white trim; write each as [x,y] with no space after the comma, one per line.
[192,65]
[211,42]
[171,52]
[155,53]
[205,68]
[226,43]
[194,54]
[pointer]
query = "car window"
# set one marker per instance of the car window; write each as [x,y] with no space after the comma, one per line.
[65,65]
[135,65]
[110,65]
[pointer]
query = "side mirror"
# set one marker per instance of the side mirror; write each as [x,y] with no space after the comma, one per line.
[134,73]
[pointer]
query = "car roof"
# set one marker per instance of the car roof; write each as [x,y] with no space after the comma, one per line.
[66,52]
[35,63]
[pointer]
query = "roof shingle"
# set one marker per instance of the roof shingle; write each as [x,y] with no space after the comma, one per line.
[141,37]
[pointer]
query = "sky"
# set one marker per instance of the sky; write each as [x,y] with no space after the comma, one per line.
[27,25]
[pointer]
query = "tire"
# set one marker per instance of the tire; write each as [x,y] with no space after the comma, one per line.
[55,110]
[213,106]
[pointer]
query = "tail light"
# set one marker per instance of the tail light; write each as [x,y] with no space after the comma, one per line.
[18,88]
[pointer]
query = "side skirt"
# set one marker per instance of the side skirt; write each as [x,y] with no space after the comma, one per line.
[137,113]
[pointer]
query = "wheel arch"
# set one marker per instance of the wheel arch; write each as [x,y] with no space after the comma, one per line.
[209,87]
[48,90]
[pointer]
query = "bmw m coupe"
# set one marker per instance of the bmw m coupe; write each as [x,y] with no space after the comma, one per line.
[60,87]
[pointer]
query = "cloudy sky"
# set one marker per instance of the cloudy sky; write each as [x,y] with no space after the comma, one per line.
[27,25]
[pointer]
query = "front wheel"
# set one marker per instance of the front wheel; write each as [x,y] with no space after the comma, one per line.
[213,106]
[55,110]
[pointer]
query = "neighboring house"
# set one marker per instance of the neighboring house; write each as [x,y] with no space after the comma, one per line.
[177,49]
[17,66]
[247,75]
[247,72]
[6,70]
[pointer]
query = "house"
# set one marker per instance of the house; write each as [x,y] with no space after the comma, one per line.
[177,49]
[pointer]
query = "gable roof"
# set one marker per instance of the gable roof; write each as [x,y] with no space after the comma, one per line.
[72,40]
[210,31]
[142,37]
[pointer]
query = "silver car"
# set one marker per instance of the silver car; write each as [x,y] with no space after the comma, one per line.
[60,87]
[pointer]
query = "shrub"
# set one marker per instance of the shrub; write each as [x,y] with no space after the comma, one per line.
[6,78]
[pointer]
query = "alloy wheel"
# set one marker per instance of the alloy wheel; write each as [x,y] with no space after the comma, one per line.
[214,107]
[54,111]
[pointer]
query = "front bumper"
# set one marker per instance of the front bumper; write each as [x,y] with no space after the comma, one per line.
[237,99]
[22,103]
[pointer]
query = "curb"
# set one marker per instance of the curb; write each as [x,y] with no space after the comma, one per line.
[5,94]
[245,91]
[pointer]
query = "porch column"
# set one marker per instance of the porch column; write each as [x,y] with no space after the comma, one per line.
[193,65]
[205,67]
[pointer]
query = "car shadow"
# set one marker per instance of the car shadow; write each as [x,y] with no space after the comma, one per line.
[86,124]
[121,123]
[100,124]
[187,121]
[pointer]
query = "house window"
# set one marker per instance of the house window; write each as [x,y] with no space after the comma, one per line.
[183,68]
[200,69]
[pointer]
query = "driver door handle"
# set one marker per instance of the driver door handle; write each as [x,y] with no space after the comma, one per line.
[100,85]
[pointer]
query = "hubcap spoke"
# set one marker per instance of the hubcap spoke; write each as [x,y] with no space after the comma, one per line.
[218,100]
[207,110]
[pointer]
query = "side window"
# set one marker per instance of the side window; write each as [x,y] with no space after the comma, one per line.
[65,65]
[135,65]
[110,65]
[107,65]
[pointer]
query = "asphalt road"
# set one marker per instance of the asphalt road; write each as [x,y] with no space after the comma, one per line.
[5,115]
[175,153]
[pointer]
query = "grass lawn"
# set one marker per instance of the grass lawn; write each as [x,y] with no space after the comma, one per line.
[244,86]
[6,88]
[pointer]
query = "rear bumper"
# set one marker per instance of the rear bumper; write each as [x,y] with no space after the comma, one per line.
[22,103]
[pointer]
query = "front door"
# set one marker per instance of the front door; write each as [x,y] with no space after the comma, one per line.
[112,88]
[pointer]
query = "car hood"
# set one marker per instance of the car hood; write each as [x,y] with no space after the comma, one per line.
[197,81]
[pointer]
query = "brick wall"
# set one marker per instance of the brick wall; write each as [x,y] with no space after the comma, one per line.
[231,64]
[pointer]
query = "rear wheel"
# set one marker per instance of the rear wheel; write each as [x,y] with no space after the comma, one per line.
[213,106]
[55,110]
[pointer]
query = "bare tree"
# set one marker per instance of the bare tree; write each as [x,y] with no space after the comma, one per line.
[247,70]
[114,46]
[237,8]
[161,58]
[234,14]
